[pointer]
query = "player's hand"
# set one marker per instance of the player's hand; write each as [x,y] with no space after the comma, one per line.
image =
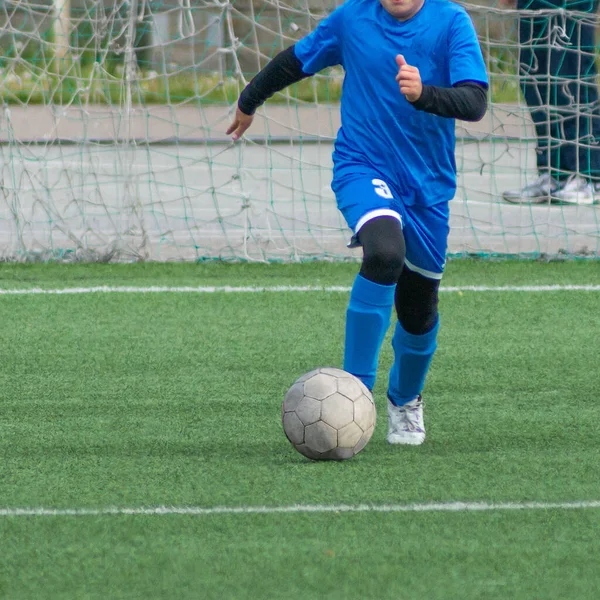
[241,122]
[409,80]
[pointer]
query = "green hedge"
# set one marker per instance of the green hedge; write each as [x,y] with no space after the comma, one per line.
[93,85]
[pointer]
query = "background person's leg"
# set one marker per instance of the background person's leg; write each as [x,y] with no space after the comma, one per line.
[535,82]
[534,62]
[584,88]
[574,97]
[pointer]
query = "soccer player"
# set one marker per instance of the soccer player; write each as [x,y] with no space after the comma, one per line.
[412,67]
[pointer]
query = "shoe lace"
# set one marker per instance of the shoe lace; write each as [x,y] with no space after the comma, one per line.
[575,182]
[412,417]
[545,182]
[544,179]
[571,182]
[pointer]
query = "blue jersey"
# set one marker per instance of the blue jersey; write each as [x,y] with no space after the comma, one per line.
[381,131]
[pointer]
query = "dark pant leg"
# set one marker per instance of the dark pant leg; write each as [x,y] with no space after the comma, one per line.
[576,91]
[534,63]
[558,80]
[580,67]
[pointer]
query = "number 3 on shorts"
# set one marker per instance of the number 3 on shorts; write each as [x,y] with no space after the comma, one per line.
[382,189]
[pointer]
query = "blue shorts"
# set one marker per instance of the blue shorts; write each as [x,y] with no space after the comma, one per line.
[425,228]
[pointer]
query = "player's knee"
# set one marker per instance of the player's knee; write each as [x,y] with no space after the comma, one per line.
[417,302]
[383,247]
[418,321]
[383,265]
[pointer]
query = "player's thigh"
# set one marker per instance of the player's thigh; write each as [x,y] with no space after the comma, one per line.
[366,197]
[426,230]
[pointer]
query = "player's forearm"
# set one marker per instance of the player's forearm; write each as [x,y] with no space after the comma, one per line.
[280,72]
[466,101]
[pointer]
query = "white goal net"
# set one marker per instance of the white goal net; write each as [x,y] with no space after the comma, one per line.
[113,146]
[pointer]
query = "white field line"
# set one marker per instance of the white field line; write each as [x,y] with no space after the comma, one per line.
[280,288]
[297,508]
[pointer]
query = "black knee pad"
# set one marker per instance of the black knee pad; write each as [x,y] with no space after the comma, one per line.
[383,250]
[417,302]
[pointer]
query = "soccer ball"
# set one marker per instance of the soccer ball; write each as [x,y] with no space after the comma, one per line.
[328,414]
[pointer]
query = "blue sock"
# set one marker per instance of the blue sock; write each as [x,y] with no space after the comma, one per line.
[367,321]
[412,357]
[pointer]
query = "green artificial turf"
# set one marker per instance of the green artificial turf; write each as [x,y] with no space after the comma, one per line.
[141,400]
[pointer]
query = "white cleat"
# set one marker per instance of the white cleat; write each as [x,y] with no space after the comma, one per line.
[538,192]
[405,423]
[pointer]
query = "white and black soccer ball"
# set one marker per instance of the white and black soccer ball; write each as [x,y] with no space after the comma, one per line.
[328,414]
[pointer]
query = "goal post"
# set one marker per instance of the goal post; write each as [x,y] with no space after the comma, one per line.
[121,153]
[61,27]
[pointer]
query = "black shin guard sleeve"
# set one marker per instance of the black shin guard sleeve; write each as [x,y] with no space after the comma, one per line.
[417,302]
[383,250]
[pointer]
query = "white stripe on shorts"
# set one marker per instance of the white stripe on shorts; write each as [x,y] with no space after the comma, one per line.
[373,214]
[424,272]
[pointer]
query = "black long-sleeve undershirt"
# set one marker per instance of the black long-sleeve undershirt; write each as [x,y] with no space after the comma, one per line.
[466,100]
[280,72]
